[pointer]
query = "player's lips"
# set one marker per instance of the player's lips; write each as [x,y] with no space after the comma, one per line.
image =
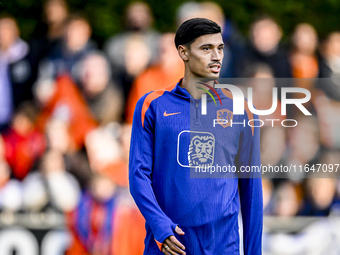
[215,68]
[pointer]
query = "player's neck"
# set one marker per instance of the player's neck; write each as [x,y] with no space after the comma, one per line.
[193,89]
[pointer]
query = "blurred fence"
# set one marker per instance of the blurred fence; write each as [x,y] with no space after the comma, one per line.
[45,234]
[33,234]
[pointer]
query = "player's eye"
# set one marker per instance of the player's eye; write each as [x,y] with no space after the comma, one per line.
[206,48]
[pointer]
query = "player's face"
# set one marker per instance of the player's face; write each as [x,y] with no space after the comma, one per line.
[205,56]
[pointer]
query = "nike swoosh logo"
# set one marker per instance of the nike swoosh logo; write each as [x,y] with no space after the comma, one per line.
[169,114]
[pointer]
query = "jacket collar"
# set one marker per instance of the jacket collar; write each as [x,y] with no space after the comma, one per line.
[178,90]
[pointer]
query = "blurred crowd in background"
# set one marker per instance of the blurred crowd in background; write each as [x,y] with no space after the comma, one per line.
[66,110]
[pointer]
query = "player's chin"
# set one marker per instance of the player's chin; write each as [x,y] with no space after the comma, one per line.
[213,75]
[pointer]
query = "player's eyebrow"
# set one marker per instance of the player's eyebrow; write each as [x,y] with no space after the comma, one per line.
[206,45]
[210,45]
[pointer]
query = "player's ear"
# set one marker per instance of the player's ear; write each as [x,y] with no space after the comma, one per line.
[183,52]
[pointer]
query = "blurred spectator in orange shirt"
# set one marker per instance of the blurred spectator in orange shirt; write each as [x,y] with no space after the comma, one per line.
[24,144]
[303,58]
[62,99]
[167,72]
[106,221]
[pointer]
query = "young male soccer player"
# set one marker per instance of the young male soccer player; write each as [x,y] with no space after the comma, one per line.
[170,136]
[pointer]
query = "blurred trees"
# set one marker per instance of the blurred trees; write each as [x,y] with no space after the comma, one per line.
[106,16]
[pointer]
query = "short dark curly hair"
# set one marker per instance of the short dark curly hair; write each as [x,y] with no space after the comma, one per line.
[189,30]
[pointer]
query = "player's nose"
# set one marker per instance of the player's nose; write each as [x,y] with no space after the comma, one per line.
[216,55]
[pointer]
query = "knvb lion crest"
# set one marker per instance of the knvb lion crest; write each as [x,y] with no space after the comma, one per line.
[201,150]
[225,116]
